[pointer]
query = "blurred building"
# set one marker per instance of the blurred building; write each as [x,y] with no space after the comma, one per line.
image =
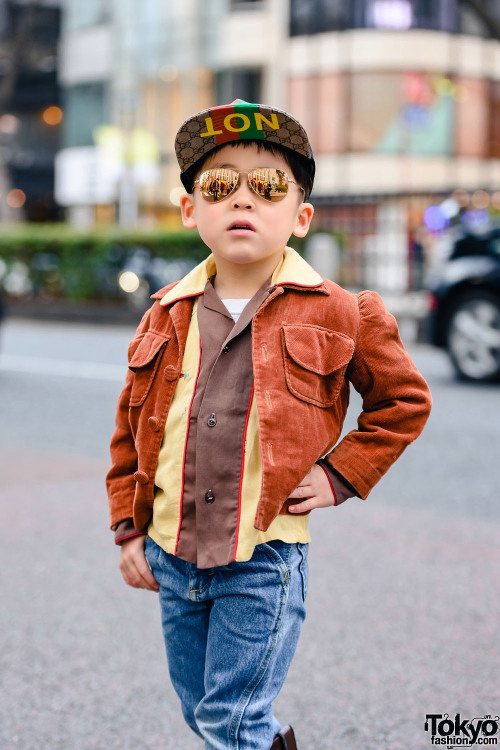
[139,68]
[30,114]
[401,99]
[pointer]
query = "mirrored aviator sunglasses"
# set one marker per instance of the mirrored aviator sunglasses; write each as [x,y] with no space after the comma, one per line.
[267,182]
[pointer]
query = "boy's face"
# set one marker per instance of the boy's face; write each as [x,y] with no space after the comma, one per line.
[270,224]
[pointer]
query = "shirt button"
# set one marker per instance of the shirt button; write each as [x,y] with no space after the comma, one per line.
[226,349]
[209,497]
[212,421]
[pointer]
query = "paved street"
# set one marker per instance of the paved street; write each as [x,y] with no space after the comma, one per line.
[403,604]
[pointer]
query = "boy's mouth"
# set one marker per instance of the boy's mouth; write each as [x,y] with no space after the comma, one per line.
[244,226]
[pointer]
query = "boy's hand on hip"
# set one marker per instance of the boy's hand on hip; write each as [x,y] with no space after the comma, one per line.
[133,564]
[316,490]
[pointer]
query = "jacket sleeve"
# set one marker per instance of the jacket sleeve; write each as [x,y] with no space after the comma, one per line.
[120,480]
[396,399]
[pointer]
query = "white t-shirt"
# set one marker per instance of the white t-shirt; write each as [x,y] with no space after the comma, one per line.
[235,307]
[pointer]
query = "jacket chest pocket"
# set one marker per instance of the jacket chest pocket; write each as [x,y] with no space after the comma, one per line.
[144,363]
[315,361]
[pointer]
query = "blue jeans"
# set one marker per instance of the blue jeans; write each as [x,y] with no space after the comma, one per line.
[230,635]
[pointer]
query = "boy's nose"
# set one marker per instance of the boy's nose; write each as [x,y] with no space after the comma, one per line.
[242,196]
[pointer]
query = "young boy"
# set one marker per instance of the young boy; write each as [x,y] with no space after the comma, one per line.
[227,428]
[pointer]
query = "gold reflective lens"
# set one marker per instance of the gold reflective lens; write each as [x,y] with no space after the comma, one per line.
[271,184]
[267,182]
[217,184]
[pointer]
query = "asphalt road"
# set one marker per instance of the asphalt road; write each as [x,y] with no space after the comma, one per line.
[403,604]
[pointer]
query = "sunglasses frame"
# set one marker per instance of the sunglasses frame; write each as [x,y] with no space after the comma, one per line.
[238,183]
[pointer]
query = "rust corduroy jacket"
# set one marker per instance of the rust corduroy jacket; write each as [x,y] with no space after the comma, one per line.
[310,340]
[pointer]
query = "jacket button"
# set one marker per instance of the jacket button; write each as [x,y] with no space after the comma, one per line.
[209,497]
[154,423]
[141,477]
[212,420]
[170,372]
[226,349]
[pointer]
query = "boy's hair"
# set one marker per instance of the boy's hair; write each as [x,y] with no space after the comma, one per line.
[300,168]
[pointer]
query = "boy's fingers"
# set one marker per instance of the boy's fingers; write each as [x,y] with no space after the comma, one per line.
[149,581]
[142,576]
[303,490]
[135,569]
[140,580]
[303,507]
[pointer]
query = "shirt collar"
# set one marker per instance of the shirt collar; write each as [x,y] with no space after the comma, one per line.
[292,270]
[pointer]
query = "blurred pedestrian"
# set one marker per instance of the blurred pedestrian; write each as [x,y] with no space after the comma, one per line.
[227,428]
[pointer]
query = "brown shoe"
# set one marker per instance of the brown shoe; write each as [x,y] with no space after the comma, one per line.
[284,740]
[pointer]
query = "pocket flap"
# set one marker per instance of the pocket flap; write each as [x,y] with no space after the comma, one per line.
[318,349]
[148,348]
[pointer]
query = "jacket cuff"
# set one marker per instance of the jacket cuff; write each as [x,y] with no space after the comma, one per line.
[126,530]
[341,489]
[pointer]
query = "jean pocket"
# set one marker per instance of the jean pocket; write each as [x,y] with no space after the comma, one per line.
[303,550]
[279,554]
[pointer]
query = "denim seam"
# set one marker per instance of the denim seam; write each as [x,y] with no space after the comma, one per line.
[282,562]
[303,570]
[260,672]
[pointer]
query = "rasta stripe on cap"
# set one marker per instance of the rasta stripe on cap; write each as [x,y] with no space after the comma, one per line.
[238,121]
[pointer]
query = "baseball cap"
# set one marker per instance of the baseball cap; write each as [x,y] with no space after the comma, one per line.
[238,121]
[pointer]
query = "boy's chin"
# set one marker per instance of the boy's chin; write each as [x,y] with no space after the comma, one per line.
[242,256]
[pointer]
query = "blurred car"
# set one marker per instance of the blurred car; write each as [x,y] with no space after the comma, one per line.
[135,274]
[464,315]
[142,275]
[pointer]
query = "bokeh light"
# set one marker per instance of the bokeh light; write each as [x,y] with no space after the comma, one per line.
[8,124]
[16,198]
[475,219]
[129,281]
[175,195]
[480,199]
[434,219]
[461,196]
[52,115]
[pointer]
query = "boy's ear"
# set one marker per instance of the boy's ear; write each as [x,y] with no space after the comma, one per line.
[187,211]
[303,221]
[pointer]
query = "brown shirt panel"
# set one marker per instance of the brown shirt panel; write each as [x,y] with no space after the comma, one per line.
[214,451]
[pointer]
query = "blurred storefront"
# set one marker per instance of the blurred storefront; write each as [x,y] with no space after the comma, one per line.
[30,112]
[135,67]
[401,99]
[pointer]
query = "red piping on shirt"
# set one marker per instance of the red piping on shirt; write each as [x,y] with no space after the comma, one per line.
[184,453]
[241,473]
[330,483]
[130,536]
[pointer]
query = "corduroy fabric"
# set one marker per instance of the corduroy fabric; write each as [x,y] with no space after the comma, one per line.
[308,343]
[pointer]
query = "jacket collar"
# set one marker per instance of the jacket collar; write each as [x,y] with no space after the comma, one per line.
[292,270]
